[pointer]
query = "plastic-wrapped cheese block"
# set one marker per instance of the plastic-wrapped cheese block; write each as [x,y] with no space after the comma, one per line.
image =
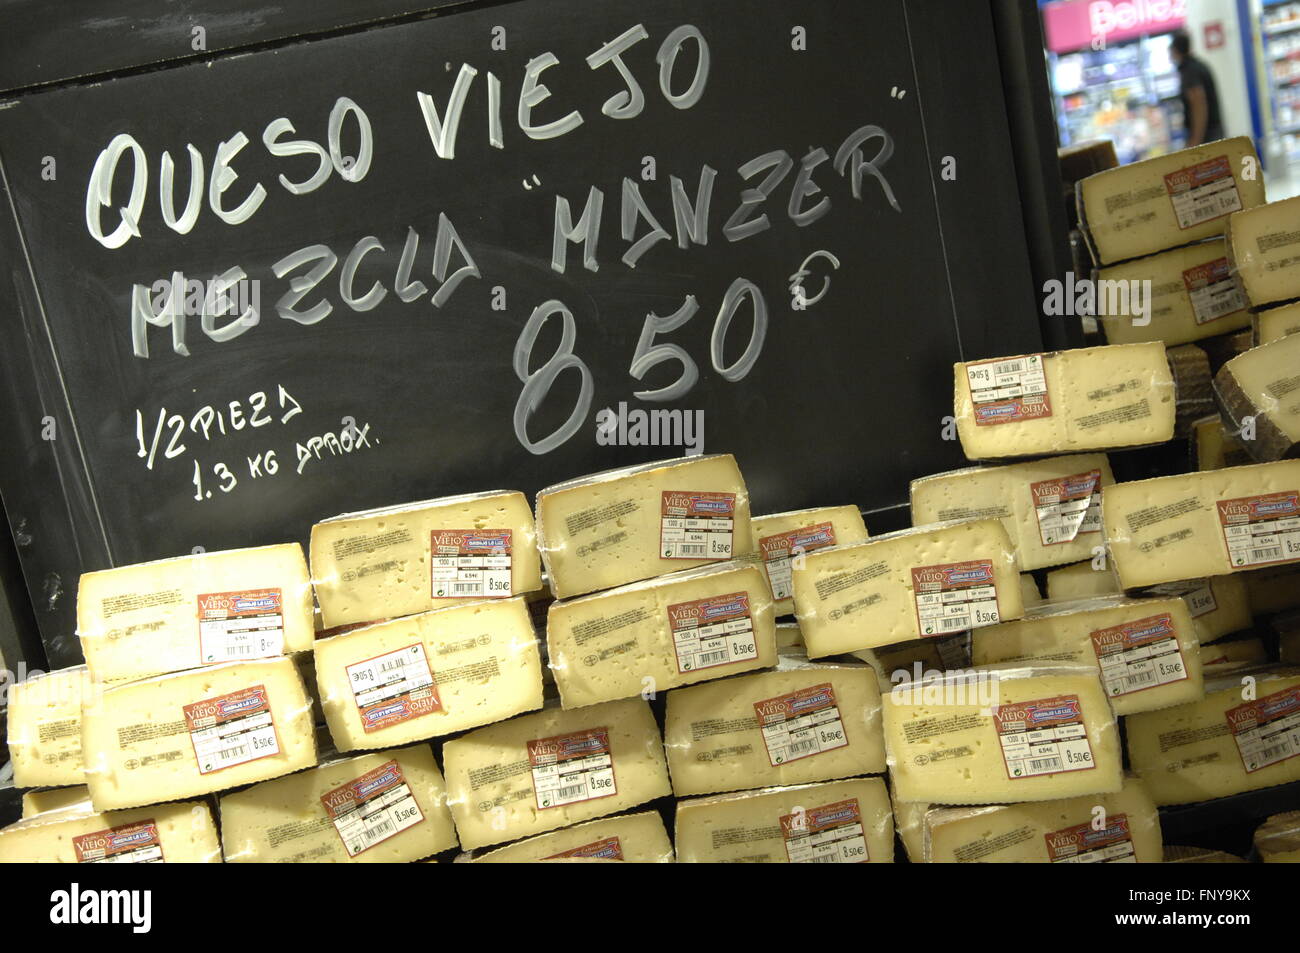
[207,609]
[1263,386]
[1050,508]
[551,769]
[1199,855]
[804,722]
[632,838]
[181,833]
[1094,398]
[1192,296]
[398,560]
[1240,737]
[196,732]
[782,536]
[918,583]
[1072,831]
[847,822]
[55,799]
[1273,324]
[1278,839]
[1218,604]
[789,639]
[1002,735]
[45,727]
[909,822]
[1145,650]
[1214,448]
[386,807]
[1272,590]
[1264,248]
[652,636]
[1203,524]
[428,675]
[622,526]
[1080,581]
[1169,200]
[911,660]
[1237,652]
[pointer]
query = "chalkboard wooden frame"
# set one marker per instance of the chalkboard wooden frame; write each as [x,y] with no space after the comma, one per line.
[52,508]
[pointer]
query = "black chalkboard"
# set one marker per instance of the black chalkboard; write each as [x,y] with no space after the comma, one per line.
[839,400]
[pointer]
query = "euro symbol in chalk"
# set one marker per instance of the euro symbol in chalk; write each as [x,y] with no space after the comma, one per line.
[801,299]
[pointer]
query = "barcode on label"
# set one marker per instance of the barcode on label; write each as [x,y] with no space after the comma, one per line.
[1205,212]
[1276,752]
[1140,678]
[692,549]
[948,625]
[227,753]
[712,658]
[464,587]
[824,859]
[1007,367]
[1045,764]
[1267,554]
[572,790]
[798,747]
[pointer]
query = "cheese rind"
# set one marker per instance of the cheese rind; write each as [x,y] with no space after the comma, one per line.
[841,821]
[1264,248]
[1095,398]
[632,838]
[1263,386]
[777,535]
[613,528]
[1273,324]
[1272,590]
[802,723]
[1145,650]
[1236,652]
[1064,831]
[55,799]
[504,783]
[184,833]
[1199,855]
[141,744]
[1219,745]
[1203,524]
[44,727]
[1168,200]
[927,581]
[206,609]
[1192,296]
[961,739]
[428,675]
[1050,508]
[386,807]
[1278,839]
[1219,604]
[380,563]
[676,630]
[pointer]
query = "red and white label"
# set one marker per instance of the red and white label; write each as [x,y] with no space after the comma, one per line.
[1213,291]
[1067,507]
[1139,655]
[696,525]
[1261,530]
[801,724]
[470,563]
[394,687]
[372,808]
[1009,391]
[569,769]
[712,632]
[608,848]
[137,843]
[232,729]
[241,625]
[831,834]
[1084,844]
[778,551]
[951,597]
[1042,737]
[1203,192]
[1267,730]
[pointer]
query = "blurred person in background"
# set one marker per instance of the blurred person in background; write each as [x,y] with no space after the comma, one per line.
[1200,97]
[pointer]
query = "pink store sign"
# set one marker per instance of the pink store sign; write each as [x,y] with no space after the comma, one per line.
[1076,24]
